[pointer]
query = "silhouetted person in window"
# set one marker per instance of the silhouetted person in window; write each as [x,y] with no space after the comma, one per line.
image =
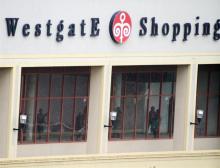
[40,122]
[80,124]
[153,121]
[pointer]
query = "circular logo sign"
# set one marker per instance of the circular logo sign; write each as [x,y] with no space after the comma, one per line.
[120,27]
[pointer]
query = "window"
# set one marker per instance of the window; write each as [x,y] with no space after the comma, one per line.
[55,101]
[208,99]
[143,98]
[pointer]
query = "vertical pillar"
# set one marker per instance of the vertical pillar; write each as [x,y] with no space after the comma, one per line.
[14,110]
[190,129]
[5,131]
[99,99]
[185,106]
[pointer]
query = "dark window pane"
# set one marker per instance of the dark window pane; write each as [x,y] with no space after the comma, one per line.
[165,115]
[201,104]
[55,110]
[168,78]
[131,84]
[118,81]
[82,85]
[67,122]
[141,117]
[81,117]
[28,131]
[213,109]
[43,85]
[30,83]
[143,80]
[56,85]
[202,82]
[129,115]
[117,105]
[154,102]
[214,83]
[69,85]
[155,83]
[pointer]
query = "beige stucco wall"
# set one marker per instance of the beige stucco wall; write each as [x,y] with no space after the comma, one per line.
[181,104]
[185,101]
[100,88]
[140,146]
[5,89]
[98,109]
[208,159]
[51,149]
[206,143]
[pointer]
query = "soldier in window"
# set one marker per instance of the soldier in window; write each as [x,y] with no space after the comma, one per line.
[40,122]
[153,121]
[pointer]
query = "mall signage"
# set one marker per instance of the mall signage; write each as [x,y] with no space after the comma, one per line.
[120,28]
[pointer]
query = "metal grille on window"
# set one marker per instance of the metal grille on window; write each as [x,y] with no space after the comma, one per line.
[208,100]
[55,101]
[143,98]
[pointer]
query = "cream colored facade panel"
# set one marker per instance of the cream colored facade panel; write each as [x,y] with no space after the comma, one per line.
[210,159]
[206,143]
[140,146]
[51,149]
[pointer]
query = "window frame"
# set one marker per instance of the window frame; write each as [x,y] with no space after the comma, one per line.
[138,70]
[63,71]
[209,69]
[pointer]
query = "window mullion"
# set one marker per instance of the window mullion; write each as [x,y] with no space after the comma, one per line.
[136,108]
[123,114]
[160,97]
[61,112]
[218,120]
[35,108]
[218,124]
[87,107]
[74,108]
[147,112]
[171,119]
[48,111]
[207,103]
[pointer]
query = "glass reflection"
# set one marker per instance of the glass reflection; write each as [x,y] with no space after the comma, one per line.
[145,101]
[116,131]
[129,115]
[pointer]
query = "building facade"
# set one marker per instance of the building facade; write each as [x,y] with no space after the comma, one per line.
[65,66]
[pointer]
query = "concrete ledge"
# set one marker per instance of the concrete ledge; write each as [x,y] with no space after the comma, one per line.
[201,159]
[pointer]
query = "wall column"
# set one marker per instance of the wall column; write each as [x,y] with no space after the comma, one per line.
[5,131]
[193,71]
[99,99]
[14,110]
[185,107]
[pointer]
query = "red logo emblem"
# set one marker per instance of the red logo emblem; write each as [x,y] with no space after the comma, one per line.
[120,27]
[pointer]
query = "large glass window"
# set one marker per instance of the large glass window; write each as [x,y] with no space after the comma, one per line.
[208,100]
[55,101]
[143,98]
